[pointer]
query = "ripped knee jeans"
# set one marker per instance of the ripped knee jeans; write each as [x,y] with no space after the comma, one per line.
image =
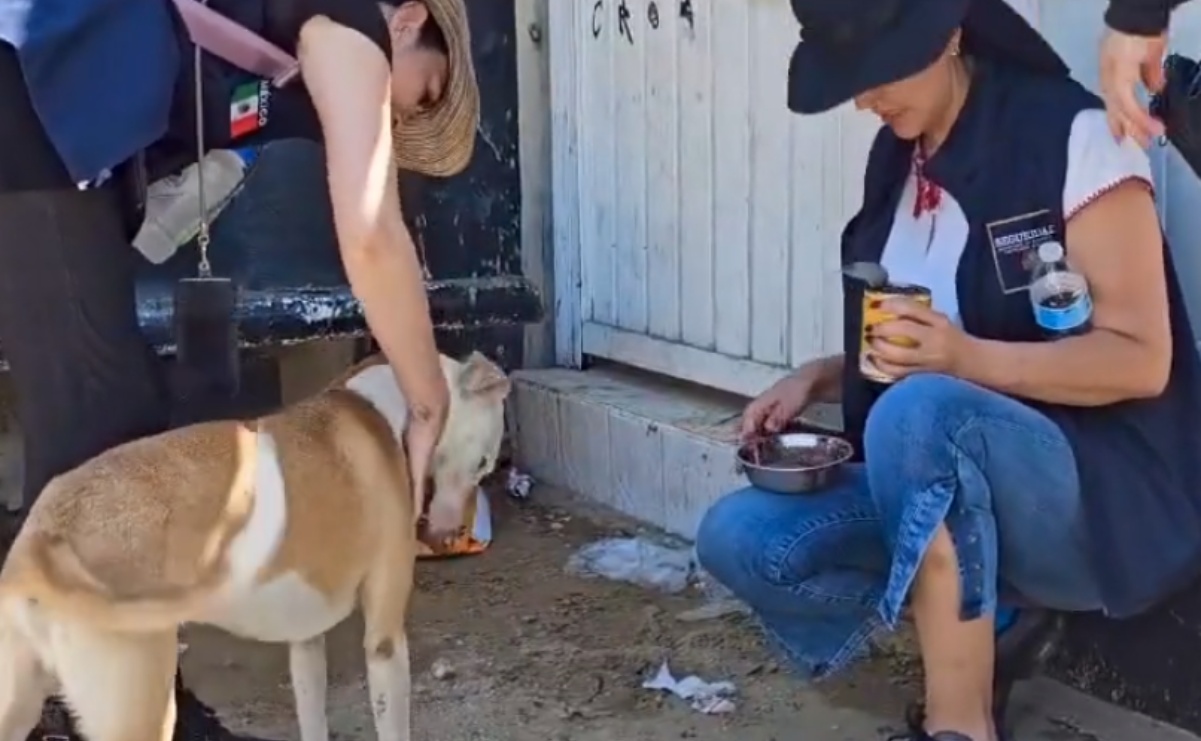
[823,572]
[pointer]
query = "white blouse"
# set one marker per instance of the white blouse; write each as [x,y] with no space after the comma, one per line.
[925,250]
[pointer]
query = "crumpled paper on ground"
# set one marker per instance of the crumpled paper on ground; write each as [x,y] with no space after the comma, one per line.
[710,698]
[518,484]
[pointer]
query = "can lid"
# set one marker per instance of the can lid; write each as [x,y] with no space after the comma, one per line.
[1050,252]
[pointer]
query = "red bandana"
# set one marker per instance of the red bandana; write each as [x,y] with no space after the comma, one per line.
[929,195]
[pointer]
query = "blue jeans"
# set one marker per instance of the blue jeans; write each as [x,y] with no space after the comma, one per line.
[822,572]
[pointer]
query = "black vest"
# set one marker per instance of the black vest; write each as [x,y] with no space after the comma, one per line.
[1139,461]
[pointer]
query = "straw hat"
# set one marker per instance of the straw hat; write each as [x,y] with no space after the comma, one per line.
[439,141]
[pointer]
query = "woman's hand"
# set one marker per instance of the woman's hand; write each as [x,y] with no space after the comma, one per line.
[1127,60]
[772,410]
[427,418]
[937,344]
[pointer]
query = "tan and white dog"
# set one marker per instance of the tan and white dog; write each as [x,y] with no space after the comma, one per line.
[274,530]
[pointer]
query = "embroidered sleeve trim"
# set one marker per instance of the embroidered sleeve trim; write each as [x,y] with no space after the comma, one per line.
[1096,194]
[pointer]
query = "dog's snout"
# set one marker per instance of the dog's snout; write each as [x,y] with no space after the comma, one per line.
[443,518]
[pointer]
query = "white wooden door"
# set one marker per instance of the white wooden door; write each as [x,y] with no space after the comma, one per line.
[705,216]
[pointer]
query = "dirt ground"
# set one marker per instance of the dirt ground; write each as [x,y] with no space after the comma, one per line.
[537,654]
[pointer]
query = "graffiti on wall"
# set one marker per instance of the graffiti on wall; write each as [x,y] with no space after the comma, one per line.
[624,18]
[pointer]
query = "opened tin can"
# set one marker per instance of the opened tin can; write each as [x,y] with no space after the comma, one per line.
[873,315]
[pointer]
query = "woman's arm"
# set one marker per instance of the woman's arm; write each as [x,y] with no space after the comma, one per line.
[824,377]
[348,78]
[1116,243]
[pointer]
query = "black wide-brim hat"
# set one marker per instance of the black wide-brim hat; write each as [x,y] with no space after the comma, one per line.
[848,47]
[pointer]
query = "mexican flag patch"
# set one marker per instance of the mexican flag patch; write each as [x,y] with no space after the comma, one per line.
[248,108]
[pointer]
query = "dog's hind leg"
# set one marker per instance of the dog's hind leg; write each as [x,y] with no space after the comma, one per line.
[389,679]
[24,684]
[310,680]
[121,686]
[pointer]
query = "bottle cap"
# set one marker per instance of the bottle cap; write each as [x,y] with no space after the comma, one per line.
[1050,252]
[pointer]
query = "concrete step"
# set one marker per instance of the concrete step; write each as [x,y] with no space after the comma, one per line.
[656,449]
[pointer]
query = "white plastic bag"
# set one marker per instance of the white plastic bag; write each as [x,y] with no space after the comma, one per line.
[635,561]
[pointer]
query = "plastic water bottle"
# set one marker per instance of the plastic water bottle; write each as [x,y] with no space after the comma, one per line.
[173,203]
[1062,303]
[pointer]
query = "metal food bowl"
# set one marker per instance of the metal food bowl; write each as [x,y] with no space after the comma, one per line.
[777,462]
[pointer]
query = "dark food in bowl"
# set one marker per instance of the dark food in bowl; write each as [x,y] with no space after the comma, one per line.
[772,452]
[794,463]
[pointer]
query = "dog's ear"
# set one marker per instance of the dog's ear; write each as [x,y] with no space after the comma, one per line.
[482,377]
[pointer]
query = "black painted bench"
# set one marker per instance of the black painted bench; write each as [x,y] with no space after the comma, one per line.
[276,241]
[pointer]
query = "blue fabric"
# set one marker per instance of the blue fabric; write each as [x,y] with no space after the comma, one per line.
[101,74]
[1004,162]
[1005,618]
[823,572]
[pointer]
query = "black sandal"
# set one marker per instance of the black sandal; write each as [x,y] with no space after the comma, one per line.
[195,721]
[923,736]
[1022,652]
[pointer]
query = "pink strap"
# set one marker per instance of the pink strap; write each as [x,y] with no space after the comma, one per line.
[237,45]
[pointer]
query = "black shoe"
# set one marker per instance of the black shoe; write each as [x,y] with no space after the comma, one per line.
[914,719]
[195,721]
[1022,652]
[55,724]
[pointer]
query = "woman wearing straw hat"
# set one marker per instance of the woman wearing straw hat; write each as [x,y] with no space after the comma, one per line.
[383,84]
[1007,463]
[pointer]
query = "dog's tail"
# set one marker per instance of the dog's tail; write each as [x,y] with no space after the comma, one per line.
[54,576]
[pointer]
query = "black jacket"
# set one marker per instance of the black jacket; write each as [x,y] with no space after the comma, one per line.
[1140,17]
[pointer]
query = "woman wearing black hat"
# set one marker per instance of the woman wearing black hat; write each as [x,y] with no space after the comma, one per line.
[1005,464]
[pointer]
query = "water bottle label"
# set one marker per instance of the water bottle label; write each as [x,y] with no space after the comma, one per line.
[1060,319]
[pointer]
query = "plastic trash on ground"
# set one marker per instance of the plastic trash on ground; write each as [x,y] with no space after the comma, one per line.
[518,484]
[635,561]
[710,698]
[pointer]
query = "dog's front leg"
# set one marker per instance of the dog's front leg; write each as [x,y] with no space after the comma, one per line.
[306,661]
[391,686]
[23,683]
